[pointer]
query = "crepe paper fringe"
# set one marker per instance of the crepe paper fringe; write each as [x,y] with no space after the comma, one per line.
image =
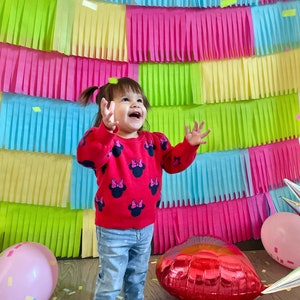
[99,33]
[250,78]
[83,186]
[89,237]
[270,164]
[280,204]
[64,20]
[35,178]
[171,84]
[235,221]
[272,31]
[43,125]
[180,35]
[213,177]
[59,229]
[234,125]
[54,75]
[28,23]
[189,3]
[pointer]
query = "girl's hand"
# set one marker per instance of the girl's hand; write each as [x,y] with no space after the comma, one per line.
[108,115]
[195,137]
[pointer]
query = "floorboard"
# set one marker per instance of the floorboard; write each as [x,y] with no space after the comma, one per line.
[77,278]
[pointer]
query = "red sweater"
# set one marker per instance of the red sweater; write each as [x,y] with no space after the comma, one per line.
[129,173]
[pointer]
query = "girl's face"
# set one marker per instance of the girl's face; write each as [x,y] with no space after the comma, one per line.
[130,112]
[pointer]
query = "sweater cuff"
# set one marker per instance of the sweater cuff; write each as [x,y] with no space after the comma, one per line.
[189,147]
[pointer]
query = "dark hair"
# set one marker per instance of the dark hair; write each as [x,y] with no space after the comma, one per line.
[108,91]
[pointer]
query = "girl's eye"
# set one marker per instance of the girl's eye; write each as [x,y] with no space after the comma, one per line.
[140,100]
[125,99]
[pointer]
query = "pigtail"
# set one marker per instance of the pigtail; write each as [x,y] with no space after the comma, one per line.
[86,96]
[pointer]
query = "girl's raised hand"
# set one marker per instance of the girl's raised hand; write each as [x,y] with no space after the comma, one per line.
[195,137]
[108,114]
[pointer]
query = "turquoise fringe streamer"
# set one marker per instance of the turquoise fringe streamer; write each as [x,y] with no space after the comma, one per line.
[43,125]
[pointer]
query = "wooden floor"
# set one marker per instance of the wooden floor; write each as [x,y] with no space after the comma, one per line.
[77,278]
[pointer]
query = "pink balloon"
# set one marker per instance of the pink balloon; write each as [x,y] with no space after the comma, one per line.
[27,271]
[280,235]
[206,268]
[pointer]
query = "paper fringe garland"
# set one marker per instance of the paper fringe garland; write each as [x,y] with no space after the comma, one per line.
[165,35]
[243,219]
[54,75]
[272,31]
[59,229]
[35,178]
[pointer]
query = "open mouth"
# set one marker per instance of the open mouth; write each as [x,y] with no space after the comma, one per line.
[136,115]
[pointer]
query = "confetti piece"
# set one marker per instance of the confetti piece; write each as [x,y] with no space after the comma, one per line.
[113,80]
[289,13]
[72,293]
[10,253]
[66,290]
[90,4]
[153,262]
[263,271]
[30,298]
[267,263]
[298,117]
[154,279]
[9,281]
[225,3]
[54,298]
[52,262]
[36,109]
[119,297]
[80,288]
[18,246]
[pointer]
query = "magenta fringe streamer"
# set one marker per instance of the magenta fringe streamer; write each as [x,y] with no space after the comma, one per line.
[235,221]
[181,34]
[54,75]
[271,163]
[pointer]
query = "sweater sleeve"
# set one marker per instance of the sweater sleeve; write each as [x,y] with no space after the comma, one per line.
[93,150]
[177,158]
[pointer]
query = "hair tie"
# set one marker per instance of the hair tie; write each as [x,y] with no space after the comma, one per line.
[113,80]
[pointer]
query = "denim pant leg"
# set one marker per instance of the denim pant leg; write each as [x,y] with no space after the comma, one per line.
[113,257]
[138,262]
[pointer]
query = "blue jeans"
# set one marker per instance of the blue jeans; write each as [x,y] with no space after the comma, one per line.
[124,258]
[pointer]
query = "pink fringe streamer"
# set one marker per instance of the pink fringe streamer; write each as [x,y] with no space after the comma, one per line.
[53,75]
[271,163]
[180,34]
[235,221]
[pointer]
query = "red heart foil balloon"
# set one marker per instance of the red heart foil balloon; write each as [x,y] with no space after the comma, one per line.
[208,268]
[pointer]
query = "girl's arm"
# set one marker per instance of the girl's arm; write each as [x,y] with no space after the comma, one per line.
[179,157]
[95,147]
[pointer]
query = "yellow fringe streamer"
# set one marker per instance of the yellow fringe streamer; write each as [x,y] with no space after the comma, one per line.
[251,78]
[35,178]
[89,238]
[99,32]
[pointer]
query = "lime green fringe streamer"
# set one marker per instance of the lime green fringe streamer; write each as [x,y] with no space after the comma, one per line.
[221,80]
[171,84]
[59,229]
[28,23]
[234,125]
